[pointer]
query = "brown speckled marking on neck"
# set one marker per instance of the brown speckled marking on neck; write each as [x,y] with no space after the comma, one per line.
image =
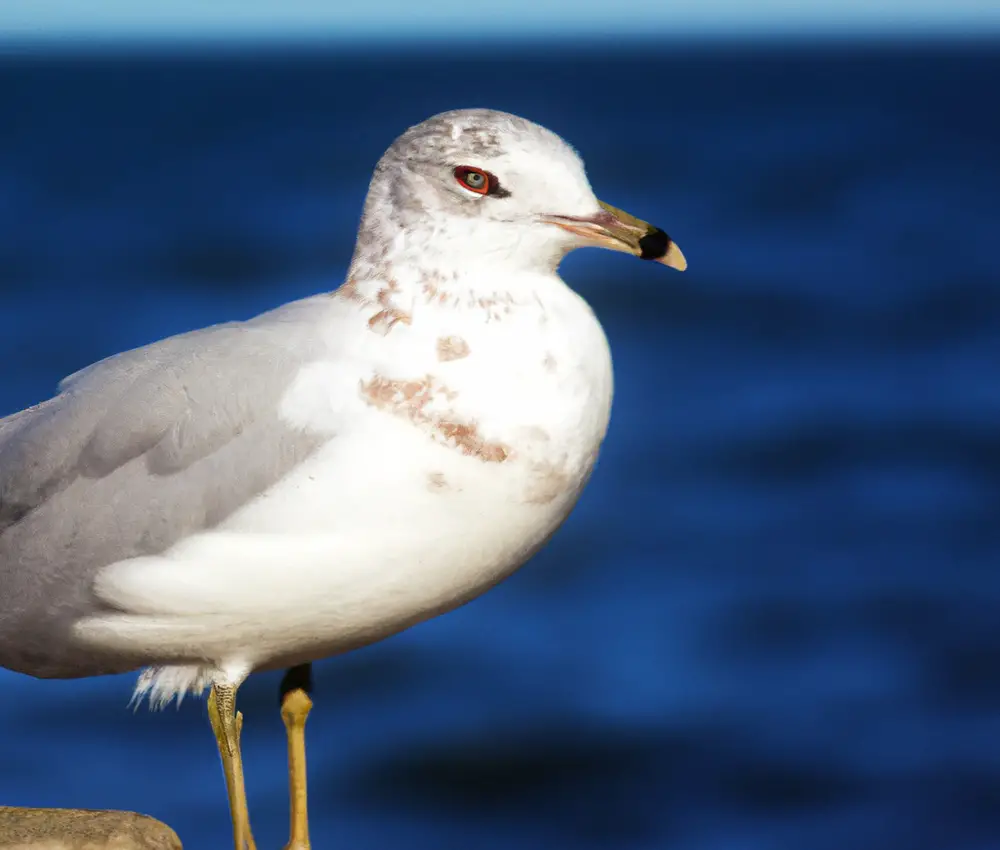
[409,399]
[467,438]
[386,314]
[434,286]
[387,318]
[451,348]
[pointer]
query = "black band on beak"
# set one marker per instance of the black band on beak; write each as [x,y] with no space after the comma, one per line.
[654,245]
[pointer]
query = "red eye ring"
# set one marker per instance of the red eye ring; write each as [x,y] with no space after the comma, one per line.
[474,179]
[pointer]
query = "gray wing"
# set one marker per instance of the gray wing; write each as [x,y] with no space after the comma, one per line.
[134,453]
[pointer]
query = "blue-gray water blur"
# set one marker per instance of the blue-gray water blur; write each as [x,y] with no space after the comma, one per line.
[773,620]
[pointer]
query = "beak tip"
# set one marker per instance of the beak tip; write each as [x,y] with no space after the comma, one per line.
[674,258]
[658,246]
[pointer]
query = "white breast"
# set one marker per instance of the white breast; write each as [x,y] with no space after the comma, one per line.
[460,440]
[506,400]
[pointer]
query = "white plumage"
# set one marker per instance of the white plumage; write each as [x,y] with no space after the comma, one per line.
[268,493]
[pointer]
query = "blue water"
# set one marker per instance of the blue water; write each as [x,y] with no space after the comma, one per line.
[774,619]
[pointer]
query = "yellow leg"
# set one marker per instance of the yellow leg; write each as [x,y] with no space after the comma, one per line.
[295,706]
[227,724]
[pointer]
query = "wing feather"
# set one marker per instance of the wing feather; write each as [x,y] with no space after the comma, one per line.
[134,453]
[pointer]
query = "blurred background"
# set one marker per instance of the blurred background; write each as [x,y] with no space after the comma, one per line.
[774,619]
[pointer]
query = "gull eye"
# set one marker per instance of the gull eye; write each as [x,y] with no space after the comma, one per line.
[474,179]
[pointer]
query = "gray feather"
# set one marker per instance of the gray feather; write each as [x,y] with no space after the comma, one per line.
[135,453]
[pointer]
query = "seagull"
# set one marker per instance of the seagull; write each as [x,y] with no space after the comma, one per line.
[263,494]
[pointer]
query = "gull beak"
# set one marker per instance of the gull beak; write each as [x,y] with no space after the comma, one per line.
[616,229]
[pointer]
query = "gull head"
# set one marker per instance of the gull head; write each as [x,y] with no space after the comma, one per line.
[486,189]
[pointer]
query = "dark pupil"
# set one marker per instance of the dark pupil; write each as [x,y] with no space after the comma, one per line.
[475,179]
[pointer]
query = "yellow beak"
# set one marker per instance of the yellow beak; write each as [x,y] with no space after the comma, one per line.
[616,229]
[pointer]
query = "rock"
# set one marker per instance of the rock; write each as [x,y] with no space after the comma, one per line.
[82,829]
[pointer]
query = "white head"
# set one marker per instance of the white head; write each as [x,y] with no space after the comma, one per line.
[486,188]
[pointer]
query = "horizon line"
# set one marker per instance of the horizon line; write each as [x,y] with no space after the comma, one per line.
[175,41]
